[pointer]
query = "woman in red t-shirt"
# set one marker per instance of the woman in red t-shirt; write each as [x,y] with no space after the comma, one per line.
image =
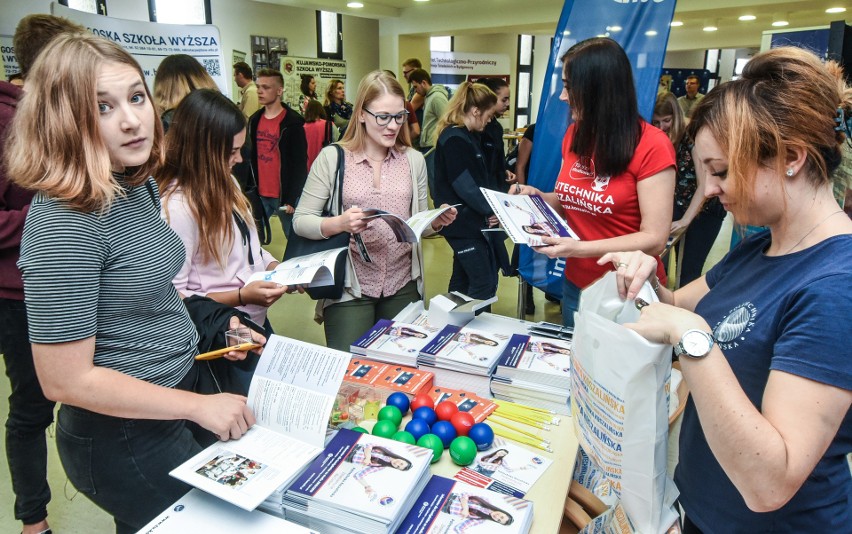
[617,177]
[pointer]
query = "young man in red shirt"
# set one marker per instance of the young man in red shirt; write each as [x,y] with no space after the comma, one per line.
[279,156]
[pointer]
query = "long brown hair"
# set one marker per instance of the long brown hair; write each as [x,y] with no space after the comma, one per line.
[329,91]
[666,105]
[57,147]
[198,147]
[786,99]
[372,86]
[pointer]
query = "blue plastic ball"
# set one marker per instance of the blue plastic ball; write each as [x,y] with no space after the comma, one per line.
[427,414]
[446,431]
[400,400]
[482,435]
[417,428]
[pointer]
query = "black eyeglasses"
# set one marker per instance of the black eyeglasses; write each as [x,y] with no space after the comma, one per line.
[383,119]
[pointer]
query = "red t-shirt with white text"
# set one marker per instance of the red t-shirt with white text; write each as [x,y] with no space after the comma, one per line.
[268,157]
[601,207]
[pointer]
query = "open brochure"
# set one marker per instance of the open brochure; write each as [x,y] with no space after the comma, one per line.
[313,270]
[527,218]
[505,468]
[291,395]
[406,231]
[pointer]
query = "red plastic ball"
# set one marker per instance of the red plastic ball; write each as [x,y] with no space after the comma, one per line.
[421,401]
[445,410]
[462,421]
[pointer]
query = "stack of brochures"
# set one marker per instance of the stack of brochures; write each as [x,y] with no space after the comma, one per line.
[359,483]
[447,505]
[535,371]
[394,342]
[463,357]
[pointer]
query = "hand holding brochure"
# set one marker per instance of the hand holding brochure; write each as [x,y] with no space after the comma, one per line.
[406,231]
[527,218]
[313,270]
[291,395]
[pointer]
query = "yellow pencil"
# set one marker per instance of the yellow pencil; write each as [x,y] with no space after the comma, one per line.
[513,427]
[525,440]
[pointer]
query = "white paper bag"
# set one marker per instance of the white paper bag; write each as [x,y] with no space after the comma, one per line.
[619,405]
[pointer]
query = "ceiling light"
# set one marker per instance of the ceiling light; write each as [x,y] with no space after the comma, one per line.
[710,26]
[780,19]
[835,10]
[421,0]
[355,5]
[651,33]
[747,18]
[613,28]
[676,23]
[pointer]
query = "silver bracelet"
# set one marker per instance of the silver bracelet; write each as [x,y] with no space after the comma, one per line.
[518,189]
[655,285]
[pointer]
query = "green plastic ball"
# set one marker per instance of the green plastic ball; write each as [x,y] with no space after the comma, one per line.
[462,450]
[431,441]
[404,437]
[385,429]
[390,413]
[360,429]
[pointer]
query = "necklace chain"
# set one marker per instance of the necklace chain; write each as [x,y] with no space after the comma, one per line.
[374,159]
[817,225]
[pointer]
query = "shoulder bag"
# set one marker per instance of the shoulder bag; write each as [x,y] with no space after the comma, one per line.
[298,246]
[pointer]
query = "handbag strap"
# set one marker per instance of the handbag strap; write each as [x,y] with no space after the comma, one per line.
[337,191]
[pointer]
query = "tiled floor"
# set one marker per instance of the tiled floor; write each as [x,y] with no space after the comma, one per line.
[70,513]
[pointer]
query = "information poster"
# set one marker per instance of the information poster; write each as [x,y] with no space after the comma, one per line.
[7,56]
[323,71]
[453,68]
[150,42]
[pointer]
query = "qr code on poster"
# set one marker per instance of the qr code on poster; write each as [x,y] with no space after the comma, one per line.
[212,66]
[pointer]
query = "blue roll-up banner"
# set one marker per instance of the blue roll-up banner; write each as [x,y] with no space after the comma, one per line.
[641,27]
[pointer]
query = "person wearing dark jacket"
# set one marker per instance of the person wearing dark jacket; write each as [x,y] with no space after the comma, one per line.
[279,156]
[30,413]
[461,168]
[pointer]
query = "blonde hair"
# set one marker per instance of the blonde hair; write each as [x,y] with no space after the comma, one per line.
[58,147]
[786,99]
[177,76]
[667,105]
[332,86]
[467,96]
[372,86]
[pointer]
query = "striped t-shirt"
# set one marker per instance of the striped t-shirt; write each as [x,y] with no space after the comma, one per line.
[109,275]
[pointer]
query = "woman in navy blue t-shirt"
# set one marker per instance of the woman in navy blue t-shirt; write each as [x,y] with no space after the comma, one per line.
[763,337]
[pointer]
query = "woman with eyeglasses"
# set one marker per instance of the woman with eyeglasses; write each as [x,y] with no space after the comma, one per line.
[461,168]
[382,171]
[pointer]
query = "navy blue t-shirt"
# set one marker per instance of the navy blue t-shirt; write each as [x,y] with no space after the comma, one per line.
[789,313]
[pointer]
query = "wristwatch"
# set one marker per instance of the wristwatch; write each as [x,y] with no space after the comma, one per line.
[694,344]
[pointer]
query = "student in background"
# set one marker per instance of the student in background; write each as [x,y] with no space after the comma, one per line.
[178,75]
[308,89]
[30,413]
[205,207]
[279,150]
[413,121]
[460,170]
[248,90]
[617,177]
[111,339]
[701,219]
[337,109]
[381,170]
[319,131]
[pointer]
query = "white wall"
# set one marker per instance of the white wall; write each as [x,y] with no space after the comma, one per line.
[238,19]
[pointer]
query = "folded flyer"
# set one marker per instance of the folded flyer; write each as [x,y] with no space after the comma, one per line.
[527,218]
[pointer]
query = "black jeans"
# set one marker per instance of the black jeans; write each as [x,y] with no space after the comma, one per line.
[474,268]
[123,465]
[30,413]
